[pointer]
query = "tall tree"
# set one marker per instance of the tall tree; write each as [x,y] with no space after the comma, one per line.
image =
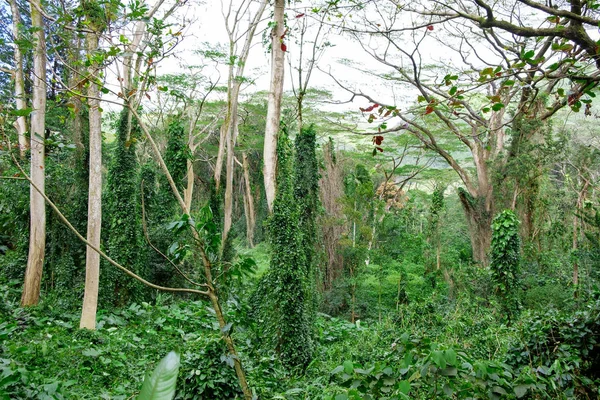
[21,122]
[94,16]
[470,98]
[278,48]
[37,231]
[230,129]
[284,293]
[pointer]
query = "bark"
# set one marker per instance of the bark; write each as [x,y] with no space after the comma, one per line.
[479,221]
[21,122]
[248,202]
[92,258]
[188,192]
[37,232]
[274,103]
[232,131]
[220,155]
[331,190]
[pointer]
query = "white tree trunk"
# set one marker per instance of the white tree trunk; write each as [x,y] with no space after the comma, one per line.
[21,122]
[248,202]
[92,258]
[274,104]
[37,230]
[232,131]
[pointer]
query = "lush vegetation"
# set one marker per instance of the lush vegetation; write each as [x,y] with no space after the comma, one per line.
[163,236]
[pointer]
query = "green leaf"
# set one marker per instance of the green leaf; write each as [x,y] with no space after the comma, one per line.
[404,387]
[438,359]
[497,106]
[450,371]
[521,390]
[348,367]
[22,113]
[337,370]
[90,352]
[498,390]
[453,90]
[508,83]
[529,54]
[161,384]
[450,356]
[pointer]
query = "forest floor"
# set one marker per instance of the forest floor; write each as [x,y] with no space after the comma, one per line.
[454,350]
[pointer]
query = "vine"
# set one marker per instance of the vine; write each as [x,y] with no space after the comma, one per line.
[122,217]
[283,293]
[505,259]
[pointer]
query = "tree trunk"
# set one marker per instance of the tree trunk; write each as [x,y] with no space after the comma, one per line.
[188,192]
[248,202]
[21,122]
[479,220]
[92,258]
[37,231]
[274,104]
[234,86]
[580,198]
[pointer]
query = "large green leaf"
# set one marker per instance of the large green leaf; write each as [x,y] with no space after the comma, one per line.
[161,384]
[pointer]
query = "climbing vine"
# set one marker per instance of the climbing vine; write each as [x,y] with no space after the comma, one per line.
[306,192]
[123,217]
[283,293]
[505,259]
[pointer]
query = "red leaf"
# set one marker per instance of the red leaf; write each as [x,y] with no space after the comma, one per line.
[148,96]
[375,105]
[300,15]
[380,149]
[429,27]
[283,47]
[362,109]
[428,110]
[377,140]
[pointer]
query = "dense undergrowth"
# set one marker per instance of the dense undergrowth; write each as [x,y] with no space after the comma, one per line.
[457,349]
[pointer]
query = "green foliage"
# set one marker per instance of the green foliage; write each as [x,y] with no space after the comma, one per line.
[283,294]
[122,216]
[505,259]
[212,375]
[160,384]
[306,192]
[176,156]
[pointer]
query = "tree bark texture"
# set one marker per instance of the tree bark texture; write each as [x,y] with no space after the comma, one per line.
[248,202]
[21,122]
[274,103]
[37,230]
[92,258]
[231,134]
[479,221]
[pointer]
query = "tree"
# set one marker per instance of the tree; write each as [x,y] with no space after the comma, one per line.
[470,98]
[21,102]
[278,49]
[37,230]
[331,192]
[230,129]
[94,16]
[283,295]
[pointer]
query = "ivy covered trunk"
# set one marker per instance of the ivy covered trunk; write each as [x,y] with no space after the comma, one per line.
[124,241]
